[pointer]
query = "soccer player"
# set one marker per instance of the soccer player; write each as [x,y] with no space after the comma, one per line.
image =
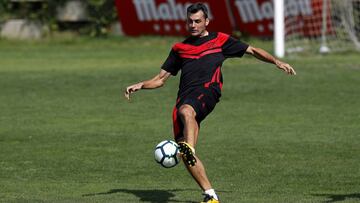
[200,57]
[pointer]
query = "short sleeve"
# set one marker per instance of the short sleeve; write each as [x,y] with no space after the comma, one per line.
[234,48]
[172,64]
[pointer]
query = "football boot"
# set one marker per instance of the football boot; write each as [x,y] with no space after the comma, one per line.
[209,199]
[187,153]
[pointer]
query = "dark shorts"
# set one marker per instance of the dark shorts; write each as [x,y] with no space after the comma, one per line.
[203,100]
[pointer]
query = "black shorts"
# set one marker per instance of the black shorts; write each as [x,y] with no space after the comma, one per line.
[203,100]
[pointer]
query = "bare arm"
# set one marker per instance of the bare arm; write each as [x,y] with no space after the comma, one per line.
[265,56]
[156,82]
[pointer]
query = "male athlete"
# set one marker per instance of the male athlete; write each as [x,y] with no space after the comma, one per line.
[199,57]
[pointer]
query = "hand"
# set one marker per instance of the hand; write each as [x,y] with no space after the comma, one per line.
[131,89]
[285,67]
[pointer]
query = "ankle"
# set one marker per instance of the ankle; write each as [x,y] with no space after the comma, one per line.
[212,193]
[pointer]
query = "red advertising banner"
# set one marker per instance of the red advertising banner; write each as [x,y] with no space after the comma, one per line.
[252,17]
[310,22]
[167,17]
[255,17]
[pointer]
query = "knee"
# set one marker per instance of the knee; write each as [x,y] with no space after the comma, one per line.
[186,111]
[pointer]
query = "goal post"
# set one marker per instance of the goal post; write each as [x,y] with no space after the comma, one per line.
[279,28]
[316,26]
[323,47]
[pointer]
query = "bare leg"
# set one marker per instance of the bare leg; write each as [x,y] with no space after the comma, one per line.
[199,174]
[191,130]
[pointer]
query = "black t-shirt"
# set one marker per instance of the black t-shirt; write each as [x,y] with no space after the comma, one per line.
[200,60]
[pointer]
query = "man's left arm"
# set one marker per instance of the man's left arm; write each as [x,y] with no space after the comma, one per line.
[265,56]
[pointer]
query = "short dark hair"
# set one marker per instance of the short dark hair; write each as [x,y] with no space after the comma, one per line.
[194,8]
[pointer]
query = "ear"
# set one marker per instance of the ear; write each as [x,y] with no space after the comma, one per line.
[207,21]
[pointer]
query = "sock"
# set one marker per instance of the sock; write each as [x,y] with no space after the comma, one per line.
[211,192]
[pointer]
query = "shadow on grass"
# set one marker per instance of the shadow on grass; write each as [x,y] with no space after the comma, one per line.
[152,196]
[339,197]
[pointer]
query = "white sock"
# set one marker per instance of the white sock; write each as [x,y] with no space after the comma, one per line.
[211,192]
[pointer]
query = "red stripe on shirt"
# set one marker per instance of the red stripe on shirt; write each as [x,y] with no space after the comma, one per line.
[212,51]
[215,78]
[195,52]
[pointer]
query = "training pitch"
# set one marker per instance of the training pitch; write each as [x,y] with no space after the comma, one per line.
[67,134]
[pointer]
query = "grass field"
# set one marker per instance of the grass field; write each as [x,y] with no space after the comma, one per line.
[68,135]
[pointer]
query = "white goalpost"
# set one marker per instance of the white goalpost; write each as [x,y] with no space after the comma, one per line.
[316,26]
[279,28]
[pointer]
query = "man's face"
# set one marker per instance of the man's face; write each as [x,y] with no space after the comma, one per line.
[196,23]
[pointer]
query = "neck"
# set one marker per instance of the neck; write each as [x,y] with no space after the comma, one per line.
[204,34]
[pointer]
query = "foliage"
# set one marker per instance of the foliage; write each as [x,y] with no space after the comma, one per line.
[101,14]
[4,14]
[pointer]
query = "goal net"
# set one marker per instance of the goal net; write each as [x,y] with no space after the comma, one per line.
[324,26]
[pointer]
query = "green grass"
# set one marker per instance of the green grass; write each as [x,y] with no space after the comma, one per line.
[68,135]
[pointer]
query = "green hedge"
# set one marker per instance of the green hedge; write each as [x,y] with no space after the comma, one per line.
[102,13]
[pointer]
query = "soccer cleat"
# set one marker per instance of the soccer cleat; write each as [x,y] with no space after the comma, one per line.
[187,153]
[209,199]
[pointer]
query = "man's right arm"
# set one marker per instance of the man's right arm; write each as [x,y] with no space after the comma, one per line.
[156,82]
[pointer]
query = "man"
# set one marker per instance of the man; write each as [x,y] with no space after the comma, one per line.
[199,57]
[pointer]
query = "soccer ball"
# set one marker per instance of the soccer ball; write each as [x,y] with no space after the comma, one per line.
[167,153]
